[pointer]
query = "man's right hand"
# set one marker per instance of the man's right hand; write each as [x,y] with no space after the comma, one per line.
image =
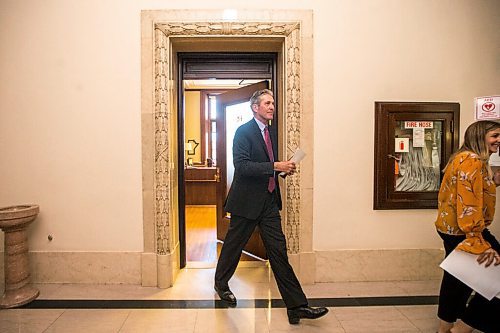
[288,167]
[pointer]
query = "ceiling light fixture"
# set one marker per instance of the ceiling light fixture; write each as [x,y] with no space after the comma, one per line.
[230,14]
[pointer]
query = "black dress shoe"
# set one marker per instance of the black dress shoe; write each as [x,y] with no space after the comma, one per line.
[305,312]
[226,295]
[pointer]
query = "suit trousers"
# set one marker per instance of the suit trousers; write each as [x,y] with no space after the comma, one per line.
[454,294]
[240,230]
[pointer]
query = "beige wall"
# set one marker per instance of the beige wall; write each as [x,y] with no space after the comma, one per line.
[192,122]
[370,51]
[70,110]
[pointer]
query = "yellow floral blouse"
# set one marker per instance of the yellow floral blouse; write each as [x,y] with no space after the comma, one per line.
[466,201]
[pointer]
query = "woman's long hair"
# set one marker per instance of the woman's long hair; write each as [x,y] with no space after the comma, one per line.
[475,140]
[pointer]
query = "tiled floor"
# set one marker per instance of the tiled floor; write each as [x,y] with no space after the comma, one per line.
[195,285]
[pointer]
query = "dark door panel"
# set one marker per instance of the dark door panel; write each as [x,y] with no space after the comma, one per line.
[233,111]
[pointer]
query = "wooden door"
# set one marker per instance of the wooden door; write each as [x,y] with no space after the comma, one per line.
[233,110]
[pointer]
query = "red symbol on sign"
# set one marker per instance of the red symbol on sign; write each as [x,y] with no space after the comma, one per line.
[402,145]
[488,106]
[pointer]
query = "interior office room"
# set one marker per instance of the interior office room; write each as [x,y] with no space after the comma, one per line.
[110,131]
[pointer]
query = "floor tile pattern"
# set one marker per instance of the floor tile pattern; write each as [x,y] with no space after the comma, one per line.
[191,305]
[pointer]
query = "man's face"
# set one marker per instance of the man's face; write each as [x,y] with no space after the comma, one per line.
[264,111]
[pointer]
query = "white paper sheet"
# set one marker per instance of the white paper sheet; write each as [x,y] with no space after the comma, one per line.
[418,137]
[296,157]
[464,266]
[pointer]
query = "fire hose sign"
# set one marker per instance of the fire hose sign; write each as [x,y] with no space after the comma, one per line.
[487,107]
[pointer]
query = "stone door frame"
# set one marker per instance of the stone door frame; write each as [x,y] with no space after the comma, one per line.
[161,30]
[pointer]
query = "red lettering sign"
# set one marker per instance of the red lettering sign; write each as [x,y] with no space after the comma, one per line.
[419,124]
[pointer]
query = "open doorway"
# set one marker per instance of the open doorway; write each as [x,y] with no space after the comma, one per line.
[165,34]
[211,86]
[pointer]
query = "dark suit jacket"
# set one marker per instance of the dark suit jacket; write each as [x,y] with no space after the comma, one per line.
[252,169]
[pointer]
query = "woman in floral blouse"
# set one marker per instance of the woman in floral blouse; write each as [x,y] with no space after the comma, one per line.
[466,206]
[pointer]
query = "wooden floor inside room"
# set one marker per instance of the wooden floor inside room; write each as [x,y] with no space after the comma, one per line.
[201,236]
[201,233]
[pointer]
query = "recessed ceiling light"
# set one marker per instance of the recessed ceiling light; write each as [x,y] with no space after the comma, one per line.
[230,14]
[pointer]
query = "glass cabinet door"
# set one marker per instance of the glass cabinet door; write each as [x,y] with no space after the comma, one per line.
[417,155]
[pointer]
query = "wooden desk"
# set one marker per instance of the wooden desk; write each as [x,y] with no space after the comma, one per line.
[201,185]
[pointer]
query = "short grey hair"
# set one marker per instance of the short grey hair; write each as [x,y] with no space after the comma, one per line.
[257,96]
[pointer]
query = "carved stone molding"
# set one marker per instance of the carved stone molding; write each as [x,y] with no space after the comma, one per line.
[293,108]
[162,92]
[162,153]
[227,28]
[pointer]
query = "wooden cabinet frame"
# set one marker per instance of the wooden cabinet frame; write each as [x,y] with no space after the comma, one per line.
[387,114]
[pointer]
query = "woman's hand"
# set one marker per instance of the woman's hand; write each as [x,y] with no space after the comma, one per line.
[488,257]
[496,177]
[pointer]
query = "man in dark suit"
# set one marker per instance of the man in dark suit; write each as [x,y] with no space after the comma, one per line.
[254,200]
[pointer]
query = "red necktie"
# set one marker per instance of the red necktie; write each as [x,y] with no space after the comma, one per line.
[272,183]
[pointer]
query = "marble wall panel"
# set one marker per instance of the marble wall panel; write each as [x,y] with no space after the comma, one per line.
[86,267]
[378,265]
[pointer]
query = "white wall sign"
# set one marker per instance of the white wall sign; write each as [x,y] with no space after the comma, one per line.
[487,107]
[401,145]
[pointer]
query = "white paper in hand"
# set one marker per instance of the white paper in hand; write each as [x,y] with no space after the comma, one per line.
[464,266]
[296,157]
